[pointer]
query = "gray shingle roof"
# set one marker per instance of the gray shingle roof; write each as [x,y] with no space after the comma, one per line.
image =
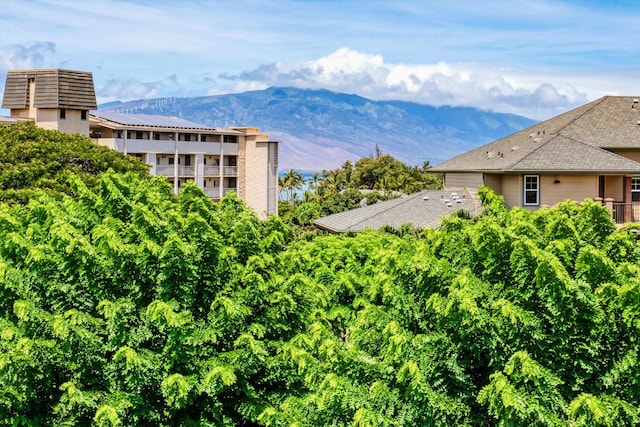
[421,210]
[572,141]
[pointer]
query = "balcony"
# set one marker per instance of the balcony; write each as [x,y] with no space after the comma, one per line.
[165,170]
[230,171]
[186,171]
[214,193]
[212,171]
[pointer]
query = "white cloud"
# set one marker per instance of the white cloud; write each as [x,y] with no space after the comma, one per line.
[130,89]
[537,95]
[20,57]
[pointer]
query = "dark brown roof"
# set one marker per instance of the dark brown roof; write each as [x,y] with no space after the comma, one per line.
[420,210]
[54,88]
[573,141]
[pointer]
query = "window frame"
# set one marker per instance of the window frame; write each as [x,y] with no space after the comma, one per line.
[526,190]
[635,192]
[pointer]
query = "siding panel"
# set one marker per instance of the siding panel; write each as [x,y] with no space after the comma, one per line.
[462,180]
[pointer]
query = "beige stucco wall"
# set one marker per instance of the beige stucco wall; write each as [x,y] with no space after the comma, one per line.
[512,190]
[494,181]
[49,118]
[570,187]
[613,188]
[255,177]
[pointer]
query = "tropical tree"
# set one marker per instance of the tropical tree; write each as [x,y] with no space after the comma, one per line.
[126,305]
[32,158]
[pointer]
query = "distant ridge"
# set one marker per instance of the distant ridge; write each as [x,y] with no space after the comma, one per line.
[320,129]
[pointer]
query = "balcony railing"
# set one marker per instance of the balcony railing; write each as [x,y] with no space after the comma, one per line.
[621,211]
[230,170]
[214,193]
[212,170]
[186,170]
[165,170]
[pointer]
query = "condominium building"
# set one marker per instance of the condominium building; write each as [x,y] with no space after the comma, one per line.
[218,160]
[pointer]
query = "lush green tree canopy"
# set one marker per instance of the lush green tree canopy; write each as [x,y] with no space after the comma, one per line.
[31,158]
[126,305]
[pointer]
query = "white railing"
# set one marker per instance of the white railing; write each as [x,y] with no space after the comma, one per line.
[230,170]
[214,193]
[212,170]
[165,170]
[186,170]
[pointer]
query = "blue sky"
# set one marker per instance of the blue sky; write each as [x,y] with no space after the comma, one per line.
[537,58]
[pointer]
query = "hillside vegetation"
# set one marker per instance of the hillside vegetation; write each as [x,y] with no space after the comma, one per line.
[32,158]
[126,305]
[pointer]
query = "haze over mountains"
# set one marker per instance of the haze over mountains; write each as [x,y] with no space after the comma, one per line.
[320,129]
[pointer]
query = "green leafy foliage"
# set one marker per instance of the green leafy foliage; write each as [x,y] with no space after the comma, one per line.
[32,158]
[126,305]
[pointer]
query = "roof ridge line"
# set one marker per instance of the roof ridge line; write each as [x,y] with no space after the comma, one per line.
[595,104]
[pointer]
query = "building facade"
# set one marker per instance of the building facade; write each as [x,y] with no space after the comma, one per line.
[218,160]
[592,151]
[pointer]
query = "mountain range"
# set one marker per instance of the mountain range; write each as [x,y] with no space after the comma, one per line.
[321,129]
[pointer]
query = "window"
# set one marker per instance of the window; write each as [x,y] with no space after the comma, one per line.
[187,137]
[187,160]
[170,160]
[635,189]
[83,115]
[156,136]
[63,113]
[531,190]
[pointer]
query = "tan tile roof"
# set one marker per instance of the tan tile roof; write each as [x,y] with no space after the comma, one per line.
[421,210]
[572,141]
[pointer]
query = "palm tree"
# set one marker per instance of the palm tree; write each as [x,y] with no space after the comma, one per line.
[292,181]
[315,180]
